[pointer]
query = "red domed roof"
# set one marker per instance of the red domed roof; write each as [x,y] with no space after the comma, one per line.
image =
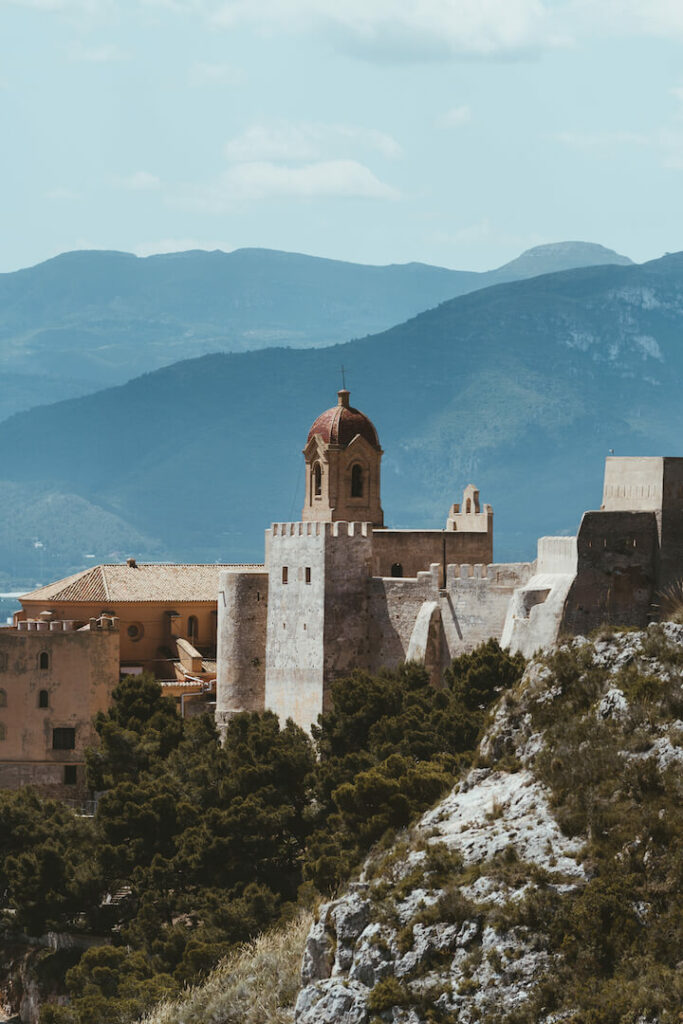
[340,424]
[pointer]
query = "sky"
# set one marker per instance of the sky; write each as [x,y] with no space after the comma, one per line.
[452,132]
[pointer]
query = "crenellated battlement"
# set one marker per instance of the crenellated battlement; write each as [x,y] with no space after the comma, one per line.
[503,573]
[495,572]
[50,625]
[340,528]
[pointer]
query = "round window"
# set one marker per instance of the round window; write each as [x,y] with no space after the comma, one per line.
[135,631]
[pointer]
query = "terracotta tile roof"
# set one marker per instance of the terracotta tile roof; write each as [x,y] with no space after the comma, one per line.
[144,582]
[340,424]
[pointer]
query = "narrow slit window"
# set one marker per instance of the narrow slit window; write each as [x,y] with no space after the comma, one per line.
[43,699]
[357,481]
[3,699]
[317,480]
[285,574]
[44,660]
[308,574]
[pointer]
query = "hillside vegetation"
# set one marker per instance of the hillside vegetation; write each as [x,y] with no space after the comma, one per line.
[547,886]
[544,887]
[196,848]
[91,319]
[522,389]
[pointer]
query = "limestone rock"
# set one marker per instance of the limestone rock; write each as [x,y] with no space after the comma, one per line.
[613,705]
[318,954]
[374,955]
[349,917]
[331,1002]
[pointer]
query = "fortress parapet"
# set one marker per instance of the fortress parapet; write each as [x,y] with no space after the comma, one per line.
[339,528]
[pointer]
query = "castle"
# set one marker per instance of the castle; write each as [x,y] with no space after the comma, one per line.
[337,590]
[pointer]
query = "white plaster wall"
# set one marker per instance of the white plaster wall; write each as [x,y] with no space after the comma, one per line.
[535,613]
[557,554]
[633,484]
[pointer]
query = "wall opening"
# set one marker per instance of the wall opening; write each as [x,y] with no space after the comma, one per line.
[44,660]
[193,628]
[397,570]
[308,574]
[63,739]
[468,505]
[317,480]
[3,731]
[43,699]
[285,574]
[3,699]
[356,481]
[70,775]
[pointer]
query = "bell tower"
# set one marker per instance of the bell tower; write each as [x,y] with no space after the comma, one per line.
[343,456]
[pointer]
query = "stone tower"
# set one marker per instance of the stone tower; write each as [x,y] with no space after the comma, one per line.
[343,456]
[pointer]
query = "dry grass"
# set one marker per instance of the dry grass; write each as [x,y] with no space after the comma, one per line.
[670,601]
[257,984]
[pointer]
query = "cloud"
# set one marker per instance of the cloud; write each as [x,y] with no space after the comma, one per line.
[62,194]
[268,180]
[89,8]
[420,30]
[140,181]
[629,17]
[105,54]
[286,140]
[166,245]
[456,116]
[601,140]
[201,74]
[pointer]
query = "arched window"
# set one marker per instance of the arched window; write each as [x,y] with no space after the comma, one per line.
[3,699]
[397,570]
[3,731]
[468,505]
[193,627]
[317,480]
[356,481]
[44,660]
[43,699]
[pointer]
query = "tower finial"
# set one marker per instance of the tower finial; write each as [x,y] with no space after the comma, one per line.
[343,373]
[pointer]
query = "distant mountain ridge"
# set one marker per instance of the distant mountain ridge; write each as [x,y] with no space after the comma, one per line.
[86,320]
[521,388]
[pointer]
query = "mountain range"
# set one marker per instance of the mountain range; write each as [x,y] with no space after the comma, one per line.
[86,320]
[521,388]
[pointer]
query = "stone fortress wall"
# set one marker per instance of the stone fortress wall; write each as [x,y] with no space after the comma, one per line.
[318,611]
[54,678]
[336,595]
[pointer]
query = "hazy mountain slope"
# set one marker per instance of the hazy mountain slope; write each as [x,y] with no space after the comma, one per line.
[108,316]
[549,259]
[24,390]
[521,389]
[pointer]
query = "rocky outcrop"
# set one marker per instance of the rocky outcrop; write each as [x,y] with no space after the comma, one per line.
[440,924]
